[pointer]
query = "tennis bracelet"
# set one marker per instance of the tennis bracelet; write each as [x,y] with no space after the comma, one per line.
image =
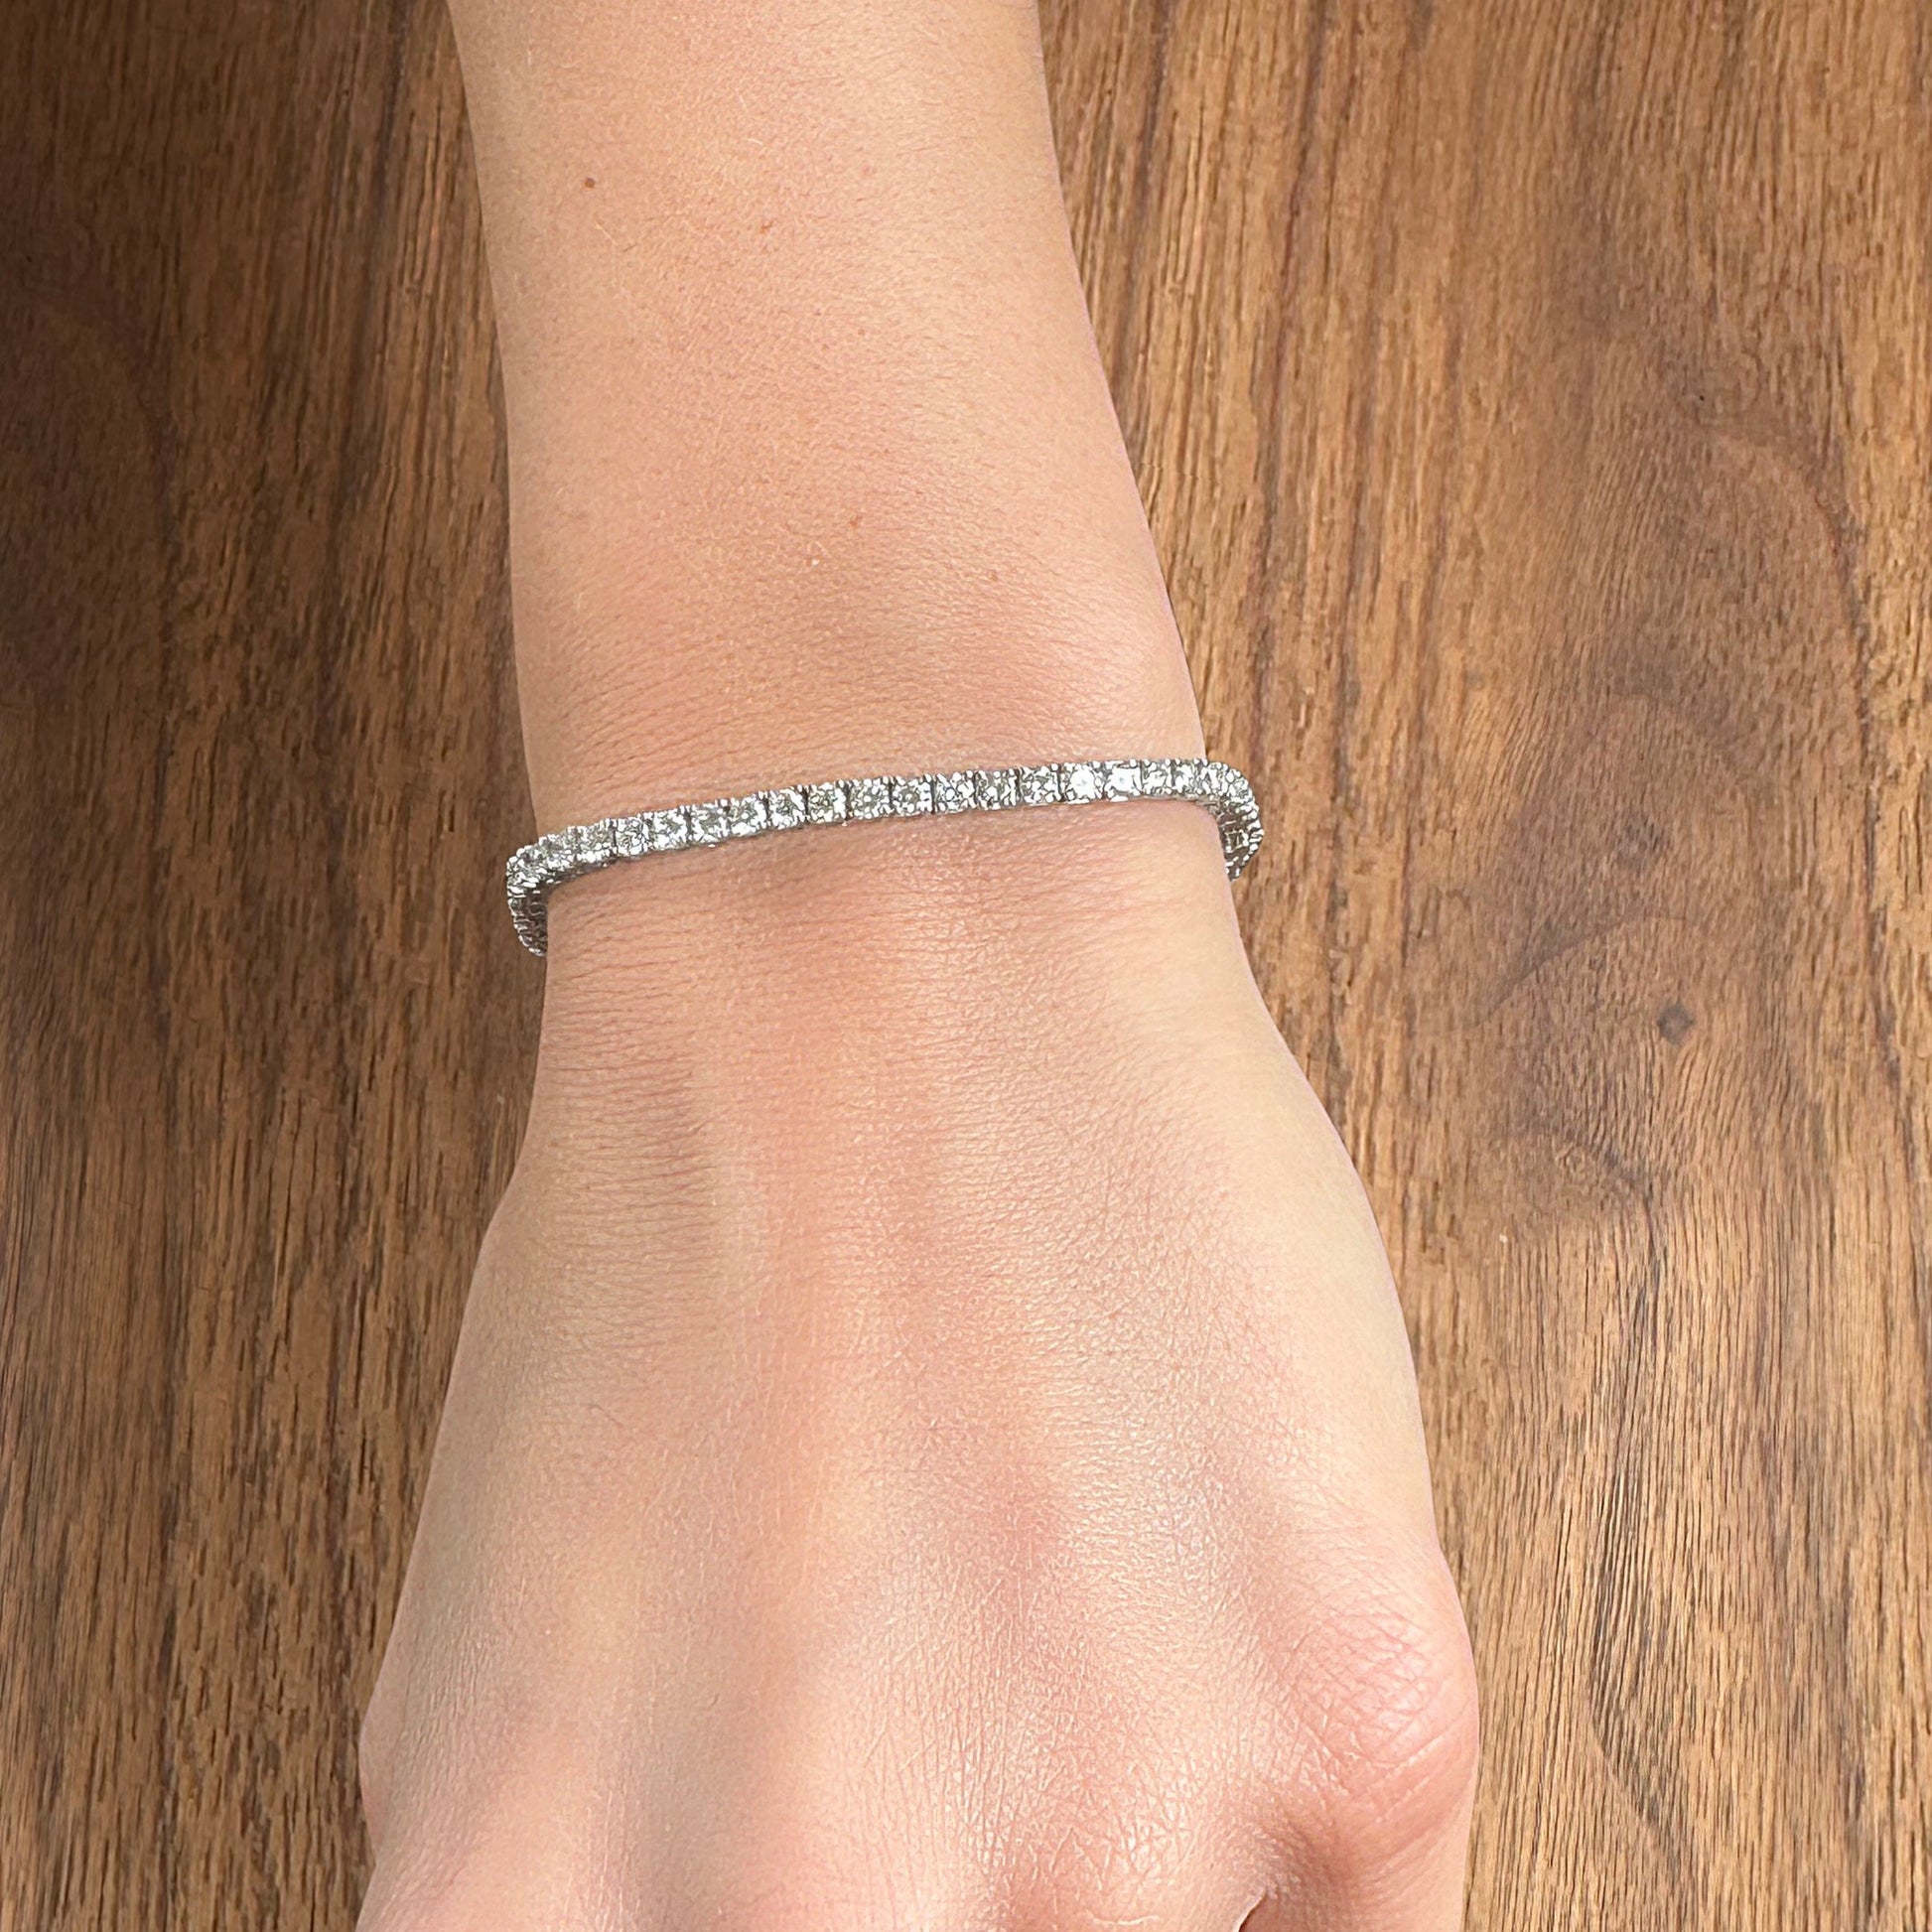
[535,870]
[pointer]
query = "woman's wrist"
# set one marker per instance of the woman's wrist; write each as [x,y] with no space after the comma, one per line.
[819,949]
[756,1076]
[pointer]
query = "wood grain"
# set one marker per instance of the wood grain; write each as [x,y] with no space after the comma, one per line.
[1533,401]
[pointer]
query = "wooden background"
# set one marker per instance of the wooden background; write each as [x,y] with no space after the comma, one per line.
[1534,398]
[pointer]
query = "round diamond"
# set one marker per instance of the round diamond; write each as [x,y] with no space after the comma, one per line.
[911,797]
[1081,783]
[1039,784]
[825,804]
[1122,778]
[995,792]
[633,836]
[953,792]
[869,797]
[744,817]
[1157,778]
[708,825]
[784,809]
[670,831]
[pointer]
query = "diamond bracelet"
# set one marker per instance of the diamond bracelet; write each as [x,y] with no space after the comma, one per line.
[535,870]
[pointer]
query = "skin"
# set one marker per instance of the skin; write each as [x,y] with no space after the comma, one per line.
[932,1441]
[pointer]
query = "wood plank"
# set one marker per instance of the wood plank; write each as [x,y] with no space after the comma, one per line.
[266,1031]
[1532,400]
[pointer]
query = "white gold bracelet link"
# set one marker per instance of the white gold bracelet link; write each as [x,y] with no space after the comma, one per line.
[535,870]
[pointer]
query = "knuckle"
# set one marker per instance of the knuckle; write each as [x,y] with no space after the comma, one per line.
[1381,1707]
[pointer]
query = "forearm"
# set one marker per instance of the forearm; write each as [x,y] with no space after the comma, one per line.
[812,461]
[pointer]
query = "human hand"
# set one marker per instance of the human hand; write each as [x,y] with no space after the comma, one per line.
[932,1441]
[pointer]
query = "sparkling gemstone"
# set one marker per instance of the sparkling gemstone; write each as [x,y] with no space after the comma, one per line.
[554,848]
[869,797]
[708,825]
[1122,778]
[1039,784]
[1080,783]
[744,817]
[784,809]
[825,804]
[670,831]
[911,797]
[1187,777]
[523,869]
[595,844]
[952,791]
[1157,778]
[633,836]
[995,790]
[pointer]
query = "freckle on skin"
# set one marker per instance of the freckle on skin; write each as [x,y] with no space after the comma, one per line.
[590,180]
